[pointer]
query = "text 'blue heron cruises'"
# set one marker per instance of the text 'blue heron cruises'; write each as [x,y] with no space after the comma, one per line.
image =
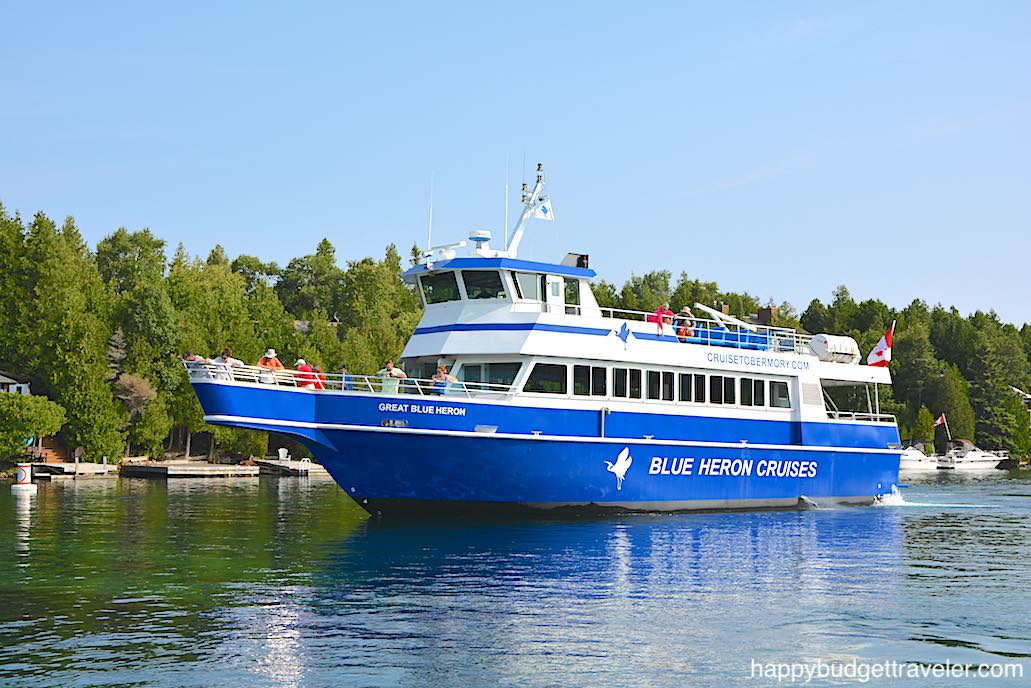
[550,401]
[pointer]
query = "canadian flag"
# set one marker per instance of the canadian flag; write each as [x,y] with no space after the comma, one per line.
[881,353]
[941,419]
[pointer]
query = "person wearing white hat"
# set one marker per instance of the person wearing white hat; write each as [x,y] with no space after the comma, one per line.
[270,361]
[305,374]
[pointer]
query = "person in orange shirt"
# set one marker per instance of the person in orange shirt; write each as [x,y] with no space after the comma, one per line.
[270,361]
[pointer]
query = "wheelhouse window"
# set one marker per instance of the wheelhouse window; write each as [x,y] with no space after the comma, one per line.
[572,296]
[779,397]
[547,378]
[440,287]
[483,284]
[530,285]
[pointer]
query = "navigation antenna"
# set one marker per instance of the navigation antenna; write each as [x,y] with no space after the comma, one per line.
[530,200]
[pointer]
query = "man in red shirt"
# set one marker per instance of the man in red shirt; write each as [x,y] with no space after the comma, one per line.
[305,374]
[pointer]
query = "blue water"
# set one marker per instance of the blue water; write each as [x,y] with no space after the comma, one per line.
[283,582]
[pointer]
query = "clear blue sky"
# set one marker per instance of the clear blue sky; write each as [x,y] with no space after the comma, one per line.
[776,147]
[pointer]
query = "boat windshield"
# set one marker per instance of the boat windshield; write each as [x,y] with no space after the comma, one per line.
[440,287]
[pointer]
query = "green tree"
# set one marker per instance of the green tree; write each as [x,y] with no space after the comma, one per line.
[923,428]
[989,394]
[23,417]
[312,282]
[64,333]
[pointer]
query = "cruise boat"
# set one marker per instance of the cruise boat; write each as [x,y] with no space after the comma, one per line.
[554,402]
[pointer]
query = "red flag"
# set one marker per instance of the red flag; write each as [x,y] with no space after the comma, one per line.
[881,353]
[941,419]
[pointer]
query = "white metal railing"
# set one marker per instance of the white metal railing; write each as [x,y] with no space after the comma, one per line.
[715,333]
[861,416]
[337,382]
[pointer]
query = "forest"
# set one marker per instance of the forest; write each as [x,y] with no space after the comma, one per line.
[100,333]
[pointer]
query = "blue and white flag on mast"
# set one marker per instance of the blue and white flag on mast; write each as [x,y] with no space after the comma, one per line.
[543,210]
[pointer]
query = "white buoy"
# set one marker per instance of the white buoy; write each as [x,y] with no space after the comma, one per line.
[24,483]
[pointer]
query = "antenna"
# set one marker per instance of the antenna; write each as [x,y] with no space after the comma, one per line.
[529,200]
[506,199]
[429,230]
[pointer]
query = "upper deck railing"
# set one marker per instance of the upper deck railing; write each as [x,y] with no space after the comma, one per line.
[716,333]
[336,382]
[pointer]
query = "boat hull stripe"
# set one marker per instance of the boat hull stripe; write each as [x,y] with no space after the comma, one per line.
[302,425]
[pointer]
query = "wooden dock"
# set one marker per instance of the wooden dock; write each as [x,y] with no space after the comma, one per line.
[67,470]
[162,470]
[290,467]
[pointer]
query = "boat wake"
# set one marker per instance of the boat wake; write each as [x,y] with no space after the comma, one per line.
[895,498]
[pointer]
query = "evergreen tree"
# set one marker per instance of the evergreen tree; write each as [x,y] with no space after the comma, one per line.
[989,394]
[64,334]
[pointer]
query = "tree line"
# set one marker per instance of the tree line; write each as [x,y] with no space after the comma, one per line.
[101,333]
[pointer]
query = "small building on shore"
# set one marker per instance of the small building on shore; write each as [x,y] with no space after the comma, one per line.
[12,384]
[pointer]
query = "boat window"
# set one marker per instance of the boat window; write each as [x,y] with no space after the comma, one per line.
[699,388]
[759,392]
[667,386]
[581,380]
[529,286]
[547,378]
[572,297]
[492,373]
[440,287]
[746,391]
[685,386]
[729,385]
[653,384]
[716,389]
[483,284]
[779,397]
[619,388]
[635,383]
[598,379]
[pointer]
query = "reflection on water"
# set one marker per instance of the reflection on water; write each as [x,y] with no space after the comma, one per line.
[284,582]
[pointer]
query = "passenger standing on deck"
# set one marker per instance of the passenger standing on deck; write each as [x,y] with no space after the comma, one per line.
[305,374]
[227,358]
[661,317]
[320,377]
[391,374]
[225,363]
[270,361]
[441,380]
[195,365]
[271,364]
[345,379]
[684,324]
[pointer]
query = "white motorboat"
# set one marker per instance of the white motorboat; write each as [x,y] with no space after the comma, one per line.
[914,460]
[963,455]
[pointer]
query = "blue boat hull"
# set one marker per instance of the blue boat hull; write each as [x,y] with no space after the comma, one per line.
[446,454]
[398,471]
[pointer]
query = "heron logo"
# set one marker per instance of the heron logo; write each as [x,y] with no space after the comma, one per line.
[621,466]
